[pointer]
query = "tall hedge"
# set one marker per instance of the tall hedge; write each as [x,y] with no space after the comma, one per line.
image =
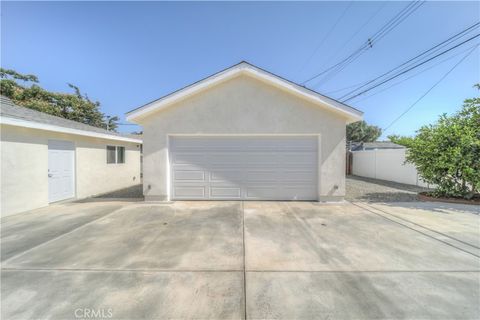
[447,153]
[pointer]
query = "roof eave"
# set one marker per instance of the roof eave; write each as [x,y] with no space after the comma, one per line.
[4,120]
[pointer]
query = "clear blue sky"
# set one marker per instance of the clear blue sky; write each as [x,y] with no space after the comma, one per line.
[125,54]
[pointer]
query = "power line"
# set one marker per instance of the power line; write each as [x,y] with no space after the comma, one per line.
[397,21]
[438,46]
[386,28]
[343,65]
[428,91]
[327,35]
[377,37]
[409,69]
[416,74]
[345,88]
[356,32]
[402,15]
[339,63]
[426,52]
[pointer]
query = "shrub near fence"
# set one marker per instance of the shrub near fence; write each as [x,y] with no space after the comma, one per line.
[385,164]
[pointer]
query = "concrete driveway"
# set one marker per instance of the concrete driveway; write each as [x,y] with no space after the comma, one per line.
[228,260]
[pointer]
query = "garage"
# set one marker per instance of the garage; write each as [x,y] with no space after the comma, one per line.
[244,134]
[243,167]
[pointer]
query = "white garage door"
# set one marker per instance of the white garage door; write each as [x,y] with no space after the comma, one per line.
[61,170]
[246,167]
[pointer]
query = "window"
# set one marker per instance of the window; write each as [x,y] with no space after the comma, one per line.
[111,154]
[115,154]
[120,154]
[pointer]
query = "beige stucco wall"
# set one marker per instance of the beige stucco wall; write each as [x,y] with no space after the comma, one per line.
[24,167]
[244,105]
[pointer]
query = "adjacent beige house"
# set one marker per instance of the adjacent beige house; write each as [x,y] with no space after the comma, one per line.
[244,134]
[46,159]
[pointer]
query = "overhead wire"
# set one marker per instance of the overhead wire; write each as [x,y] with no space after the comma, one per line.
[396,22]
[327,35]
[418,73]
[438,46]
[374,39]
[346,98]
[425,54]
[355,33]
[429,90]
[383,31]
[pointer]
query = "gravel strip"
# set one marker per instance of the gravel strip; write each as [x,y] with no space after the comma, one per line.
[372,190]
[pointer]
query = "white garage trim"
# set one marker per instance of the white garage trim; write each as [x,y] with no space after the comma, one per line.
[243,167]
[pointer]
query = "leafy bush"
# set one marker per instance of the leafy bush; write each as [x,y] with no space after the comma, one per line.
[447,153]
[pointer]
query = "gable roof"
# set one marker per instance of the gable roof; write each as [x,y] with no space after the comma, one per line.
[11,114]
[246,68]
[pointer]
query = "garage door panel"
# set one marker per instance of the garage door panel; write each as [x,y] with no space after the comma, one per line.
[254,167]
[188,158]
[226,158]
[300,158]
[190,167]
[189,192]
[225,192]
[298,176]
[191,175]
[226,175]
[261,176]
[260,158]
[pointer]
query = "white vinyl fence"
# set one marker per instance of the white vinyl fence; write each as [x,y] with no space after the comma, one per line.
[385,164]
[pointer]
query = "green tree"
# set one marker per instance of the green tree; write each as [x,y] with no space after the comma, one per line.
[401,140]
[447,153]
[362,132]
[24,91]
[111,123]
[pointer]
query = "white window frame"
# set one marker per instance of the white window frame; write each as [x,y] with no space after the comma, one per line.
[116,154]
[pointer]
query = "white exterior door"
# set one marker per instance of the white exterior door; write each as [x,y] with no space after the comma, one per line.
[243,167]
[61,170]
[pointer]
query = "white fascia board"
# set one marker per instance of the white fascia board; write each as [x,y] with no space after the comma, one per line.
[351,114]
[48,127]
